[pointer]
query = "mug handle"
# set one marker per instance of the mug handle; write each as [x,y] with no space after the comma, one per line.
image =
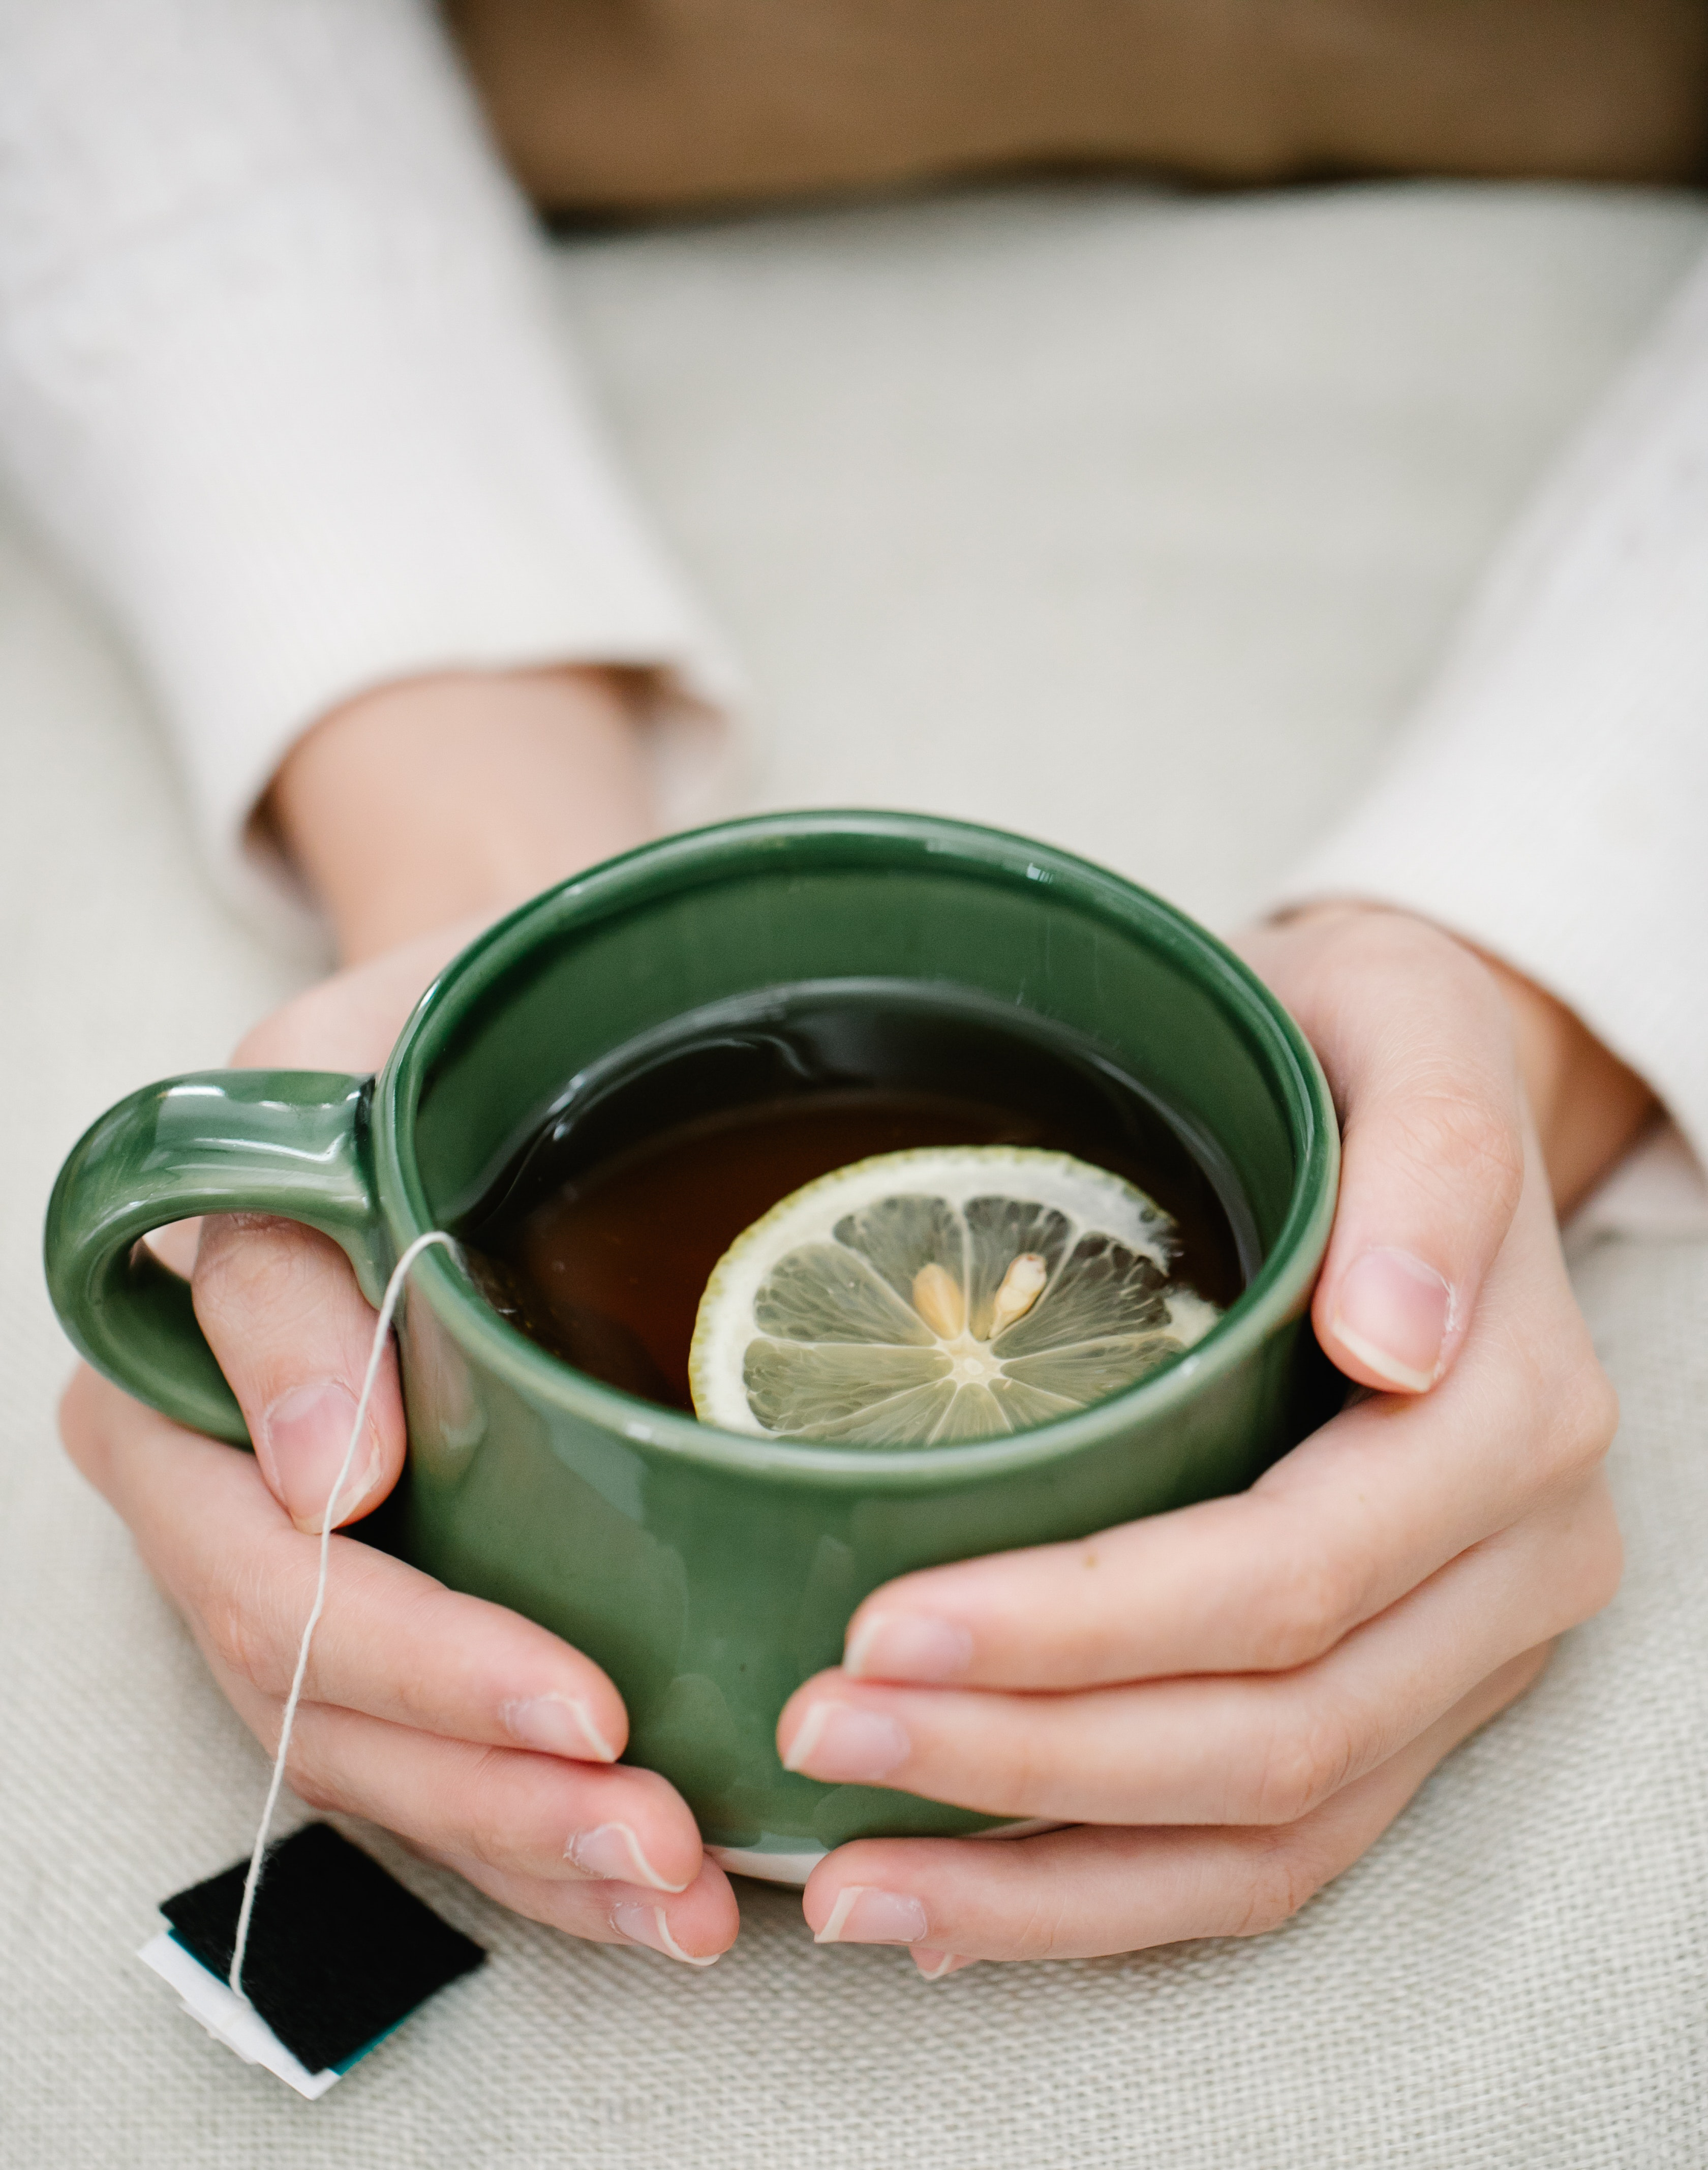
[293,1142]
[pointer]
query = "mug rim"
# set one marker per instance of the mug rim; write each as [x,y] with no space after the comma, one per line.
[689,860]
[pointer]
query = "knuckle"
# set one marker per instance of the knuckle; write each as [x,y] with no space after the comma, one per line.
[228,1634]
[489,1834]
[316,1764]
[1308,1755]
[1556,1403]
[1312,1603]
[1593,1563]
[1042,1930]
[1607,1565]
[312,1786]
[1379,949]
[226,1606]
[1592,1416]
[1568,1410]
[253,1266]
[1455,1142]
[1030,1773]
[1529,1667]
[1283,1873]
[1599,1582]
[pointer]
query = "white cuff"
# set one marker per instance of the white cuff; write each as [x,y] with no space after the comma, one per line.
[1549,801]
[278,372]
[440,500]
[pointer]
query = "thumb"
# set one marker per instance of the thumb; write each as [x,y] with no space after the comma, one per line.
[292,1332]
[1417,1045]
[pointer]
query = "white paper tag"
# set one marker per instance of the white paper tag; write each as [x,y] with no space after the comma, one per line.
[239,2026]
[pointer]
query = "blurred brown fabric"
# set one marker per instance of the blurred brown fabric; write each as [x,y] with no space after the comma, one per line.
[640,105]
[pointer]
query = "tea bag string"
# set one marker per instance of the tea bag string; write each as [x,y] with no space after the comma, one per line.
[382,1327]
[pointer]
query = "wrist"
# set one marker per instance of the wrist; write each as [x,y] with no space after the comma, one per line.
[1587,1105]
[457,796]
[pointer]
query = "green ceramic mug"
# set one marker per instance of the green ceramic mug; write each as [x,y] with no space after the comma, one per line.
[711,1573]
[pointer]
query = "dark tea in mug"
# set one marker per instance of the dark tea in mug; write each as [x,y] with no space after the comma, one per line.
[600,1236]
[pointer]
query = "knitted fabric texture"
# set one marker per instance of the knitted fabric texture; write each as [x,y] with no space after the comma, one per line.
[1263,448]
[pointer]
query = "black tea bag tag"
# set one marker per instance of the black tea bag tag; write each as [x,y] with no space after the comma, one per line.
[338,1954]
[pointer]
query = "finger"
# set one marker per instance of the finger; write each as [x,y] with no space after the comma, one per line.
[695,1928]
[280,1306]
[1246,1749]
[392,1646]
[350,1020]
[1084,1893]
[277,1302]
[1338,1531]
[391,1643]
[935,1965]
[1417,1045]
[536,1817]
[175,1246]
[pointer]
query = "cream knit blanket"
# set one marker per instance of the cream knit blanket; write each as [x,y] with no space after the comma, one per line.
[1236,559]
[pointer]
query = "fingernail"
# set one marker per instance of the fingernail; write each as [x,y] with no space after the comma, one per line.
[936,1966]
[613,1854]
[846,1745]
[864,1914]
[647,1925]
[907,1646]
[304,1437]
[560,1725]
[1393,1313]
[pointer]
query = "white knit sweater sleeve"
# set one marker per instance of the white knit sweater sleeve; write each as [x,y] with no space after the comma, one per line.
[1550,799]
[276,375]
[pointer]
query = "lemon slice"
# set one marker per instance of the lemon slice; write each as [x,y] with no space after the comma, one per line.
[949,1293]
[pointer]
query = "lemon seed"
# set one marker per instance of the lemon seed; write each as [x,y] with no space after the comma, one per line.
[1021,1286]
[938,1299]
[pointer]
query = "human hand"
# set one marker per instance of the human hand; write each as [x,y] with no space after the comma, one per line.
[478,1737]
[462,794]
[1228,1704]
